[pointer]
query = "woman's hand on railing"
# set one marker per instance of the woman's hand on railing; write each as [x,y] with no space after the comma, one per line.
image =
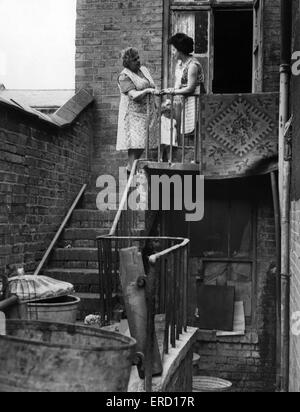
[170,91]
[155,92]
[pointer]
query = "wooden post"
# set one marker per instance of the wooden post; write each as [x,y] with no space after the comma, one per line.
[159,132]
[139,293]
[166,35]
[172,131]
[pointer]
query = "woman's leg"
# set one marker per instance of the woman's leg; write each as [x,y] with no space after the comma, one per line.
[162,152]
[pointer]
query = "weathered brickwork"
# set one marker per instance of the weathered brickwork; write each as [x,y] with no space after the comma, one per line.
[249,361]
[271,45]
[295,215]
[104,28]
[295,295]
[41,171]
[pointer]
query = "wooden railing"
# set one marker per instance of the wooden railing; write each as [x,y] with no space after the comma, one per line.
[125,222]
[166,285]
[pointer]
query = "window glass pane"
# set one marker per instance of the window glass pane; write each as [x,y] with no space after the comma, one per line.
[201,32]
[195,25]
[240,229]
[240,276]
[226,230]
[210,236]
[216,273]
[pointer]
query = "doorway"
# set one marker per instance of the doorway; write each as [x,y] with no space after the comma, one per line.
[233,51]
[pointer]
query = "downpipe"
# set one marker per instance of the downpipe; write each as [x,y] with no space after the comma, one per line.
[276,203]
[284,187]
[284,190]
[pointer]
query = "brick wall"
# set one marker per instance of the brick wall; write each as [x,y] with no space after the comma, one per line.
[271,39]
[249,361]
[295,295]
[104,28]
[41,171]
[295,215]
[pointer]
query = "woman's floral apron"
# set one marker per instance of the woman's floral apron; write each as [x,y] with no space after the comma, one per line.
[133,116]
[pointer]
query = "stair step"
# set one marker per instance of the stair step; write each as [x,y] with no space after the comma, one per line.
[89,201]
[87,238]
[74,276]
[82,238]
[76,255]
[90,214]
[72,264]
[87,218]
[83,233]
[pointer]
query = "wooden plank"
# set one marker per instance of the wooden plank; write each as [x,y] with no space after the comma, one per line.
[207,5]
[69,111]
[2,324]
[215,307]
[132,269]
[59,232]
[166,35]
[239,324]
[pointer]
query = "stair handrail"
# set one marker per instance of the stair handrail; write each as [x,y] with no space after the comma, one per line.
[60,230]
[124,199]
[166,288]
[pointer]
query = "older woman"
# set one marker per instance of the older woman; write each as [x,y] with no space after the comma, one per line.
[137,114]
[191,79]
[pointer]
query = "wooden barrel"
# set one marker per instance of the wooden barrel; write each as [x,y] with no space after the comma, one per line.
[210,384]
[52,357]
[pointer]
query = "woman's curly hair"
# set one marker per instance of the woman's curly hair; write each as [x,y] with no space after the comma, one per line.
[182,43]
[128,54]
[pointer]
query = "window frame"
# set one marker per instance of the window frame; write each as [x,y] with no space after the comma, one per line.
[251,259]
[171,6]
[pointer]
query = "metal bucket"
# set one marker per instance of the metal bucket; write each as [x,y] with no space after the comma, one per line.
[52,357]
[63,309]
[210,384]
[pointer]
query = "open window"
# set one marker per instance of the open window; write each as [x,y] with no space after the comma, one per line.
[228,42]
[195,24]
[233,45]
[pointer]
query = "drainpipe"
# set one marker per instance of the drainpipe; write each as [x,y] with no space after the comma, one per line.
[274,184]
[285,181]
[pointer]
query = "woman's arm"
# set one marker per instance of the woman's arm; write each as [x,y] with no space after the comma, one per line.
[192,83]
[138,95]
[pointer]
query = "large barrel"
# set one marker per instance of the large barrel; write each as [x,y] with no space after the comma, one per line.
[62,309]
[53,357]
